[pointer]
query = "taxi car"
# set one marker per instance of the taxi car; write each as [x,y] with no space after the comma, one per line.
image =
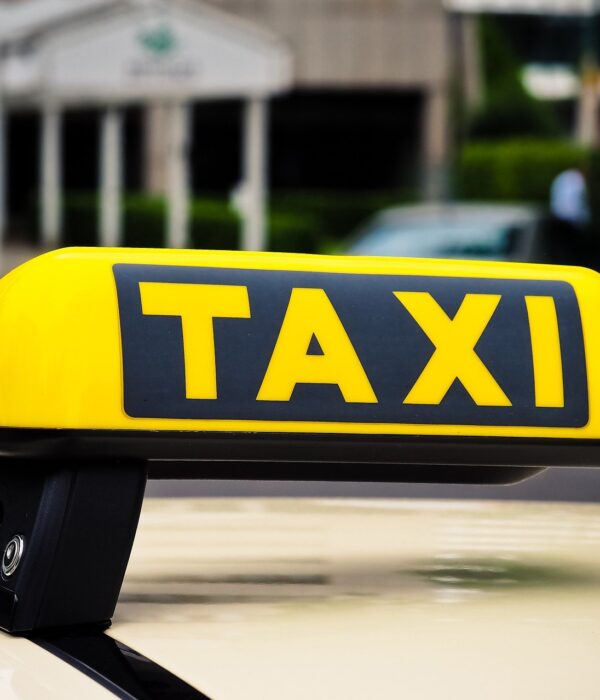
[120,366]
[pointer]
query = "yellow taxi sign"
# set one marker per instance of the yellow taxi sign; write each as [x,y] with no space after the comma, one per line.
[118,365]
[195,341]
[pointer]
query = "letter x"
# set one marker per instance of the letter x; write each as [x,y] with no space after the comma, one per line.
[454,357]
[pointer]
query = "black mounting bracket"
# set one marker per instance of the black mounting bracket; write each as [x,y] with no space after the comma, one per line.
[66,534]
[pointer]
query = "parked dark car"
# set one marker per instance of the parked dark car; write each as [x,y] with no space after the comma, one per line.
[456,230]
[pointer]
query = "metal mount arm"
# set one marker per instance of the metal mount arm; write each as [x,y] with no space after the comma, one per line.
[66,535]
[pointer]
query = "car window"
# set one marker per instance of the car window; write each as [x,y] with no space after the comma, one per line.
[473,241]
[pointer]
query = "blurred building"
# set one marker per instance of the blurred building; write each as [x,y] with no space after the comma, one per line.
[367,106]
[557,43]
[370,87]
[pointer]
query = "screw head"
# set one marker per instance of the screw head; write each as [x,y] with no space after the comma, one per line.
[13,553]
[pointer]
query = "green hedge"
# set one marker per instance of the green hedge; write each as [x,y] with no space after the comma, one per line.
[305,222]
[212,223]
[79,220]
[335,215]
[143,221]
[514,170]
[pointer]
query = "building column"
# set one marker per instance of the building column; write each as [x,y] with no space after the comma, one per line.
[3,178]
[178,175]
[111,177]
[51,176]
[435,143]
[254,168]
[473,79]
[156,147]
[587,108]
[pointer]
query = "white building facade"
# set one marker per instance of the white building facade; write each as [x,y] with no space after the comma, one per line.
[328,56]
[111,54]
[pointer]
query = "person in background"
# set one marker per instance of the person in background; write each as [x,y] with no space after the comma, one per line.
[570,218]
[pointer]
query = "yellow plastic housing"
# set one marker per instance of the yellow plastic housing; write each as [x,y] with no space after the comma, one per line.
[61,352]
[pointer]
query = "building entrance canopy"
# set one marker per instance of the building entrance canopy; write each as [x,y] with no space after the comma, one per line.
[108,54]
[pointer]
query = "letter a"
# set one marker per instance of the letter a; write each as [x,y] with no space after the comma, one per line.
[311,313]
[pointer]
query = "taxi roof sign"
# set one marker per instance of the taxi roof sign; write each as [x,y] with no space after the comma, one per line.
[230,355]
[116,365]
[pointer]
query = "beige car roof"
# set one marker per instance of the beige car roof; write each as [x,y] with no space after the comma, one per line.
[354,599]
[28,672]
